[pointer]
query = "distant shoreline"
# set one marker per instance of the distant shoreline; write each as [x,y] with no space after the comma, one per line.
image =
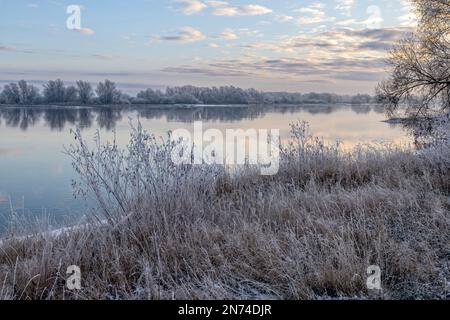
[179,105]
[106,93]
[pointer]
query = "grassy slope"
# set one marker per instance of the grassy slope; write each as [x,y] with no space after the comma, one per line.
[309,232]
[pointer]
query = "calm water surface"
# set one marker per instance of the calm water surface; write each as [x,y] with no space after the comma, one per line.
[35,175]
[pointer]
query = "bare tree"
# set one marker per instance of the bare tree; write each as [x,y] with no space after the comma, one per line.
[419,84]
[85,92]
[71,94]
[11,93]
[54,91]
[107,92]
[21,93]
[28,93]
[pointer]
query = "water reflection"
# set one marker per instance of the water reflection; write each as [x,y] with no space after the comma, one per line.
[36,176]
[57,118]
[20,117]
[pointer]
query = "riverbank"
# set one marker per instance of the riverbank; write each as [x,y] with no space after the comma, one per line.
[309,232]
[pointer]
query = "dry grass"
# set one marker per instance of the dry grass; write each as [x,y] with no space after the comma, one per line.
[309,232]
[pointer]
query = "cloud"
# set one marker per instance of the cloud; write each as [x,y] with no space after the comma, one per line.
[103,56]
[254,10]
[185,35]
[247,10]
[217,3]
[227,34]
[210,72]
[348,43]
[336,55]
[284,18]
[312,14]
[288,68]
[226,11]
[409,17]
[85,31]
[191,6]
[221,8]
[374,21]
[7,48]
[345,6]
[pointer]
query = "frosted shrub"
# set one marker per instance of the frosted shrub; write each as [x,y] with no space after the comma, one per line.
[431,131]
[303,143]
[121,180]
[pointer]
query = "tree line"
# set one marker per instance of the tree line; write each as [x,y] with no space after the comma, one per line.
[55,91]
[106,93]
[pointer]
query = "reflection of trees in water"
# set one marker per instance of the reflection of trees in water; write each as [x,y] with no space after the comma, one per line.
[107,117]
[85,118]
[378,108]
[191,114]
[231,113]
[315,109]
[57,118]
[20,117]
[361,109]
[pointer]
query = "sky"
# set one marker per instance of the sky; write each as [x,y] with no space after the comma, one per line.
[334,46]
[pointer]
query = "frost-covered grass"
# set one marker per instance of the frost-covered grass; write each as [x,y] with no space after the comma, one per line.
[310,232]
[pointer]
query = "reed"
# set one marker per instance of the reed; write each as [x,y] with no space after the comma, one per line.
[184,232]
